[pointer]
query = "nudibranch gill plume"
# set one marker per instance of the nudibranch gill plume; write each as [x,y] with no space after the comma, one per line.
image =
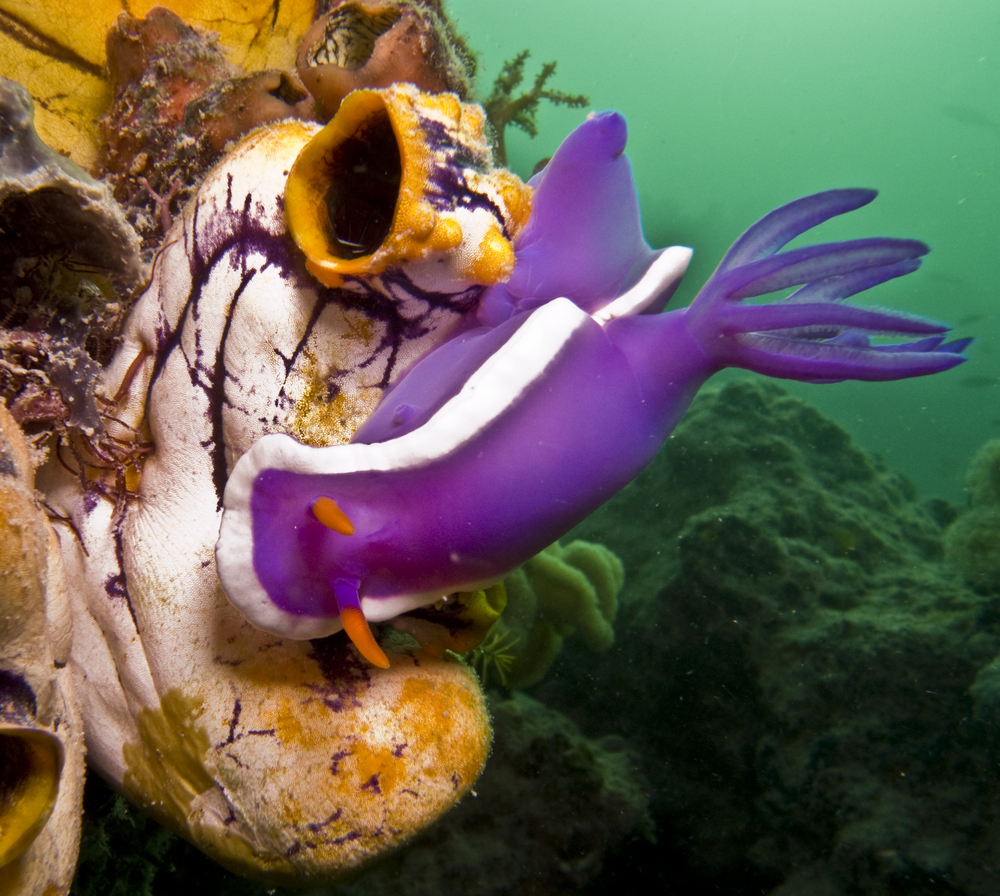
[556,389]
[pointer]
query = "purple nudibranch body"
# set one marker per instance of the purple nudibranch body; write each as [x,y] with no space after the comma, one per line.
[560,391]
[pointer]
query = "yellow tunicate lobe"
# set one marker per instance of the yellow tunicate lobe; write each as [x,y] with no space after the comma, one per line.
[517,197]
[494,260]
[447,104]
[447,234]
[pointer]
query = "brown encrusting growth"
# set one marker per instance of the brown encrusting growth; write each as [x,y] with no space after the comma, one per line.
[177,102]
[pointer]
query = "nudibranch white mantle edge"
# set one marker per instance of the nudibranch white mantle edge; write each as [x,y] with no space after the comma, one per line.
[500,439]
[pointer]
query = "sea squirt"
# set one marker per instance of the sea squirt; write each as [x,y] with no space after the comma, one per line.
[286,760]
[41,733]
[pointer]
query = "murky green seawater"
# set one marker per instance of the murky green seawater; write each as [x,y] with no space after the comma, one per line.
[737,107]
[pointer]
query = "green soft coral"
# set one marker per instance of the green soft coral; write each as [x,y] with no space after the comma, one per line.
[564,589]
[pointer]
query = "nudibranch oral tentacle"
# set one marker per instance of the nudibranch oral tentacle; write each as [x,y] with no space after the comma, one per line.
[345,592]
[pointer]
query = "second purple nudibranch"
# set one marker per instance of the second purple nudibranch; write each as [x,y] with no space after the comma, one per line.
[563,387]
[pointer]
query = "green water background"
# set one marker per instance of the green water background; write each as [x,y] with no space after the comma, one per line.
[737,106]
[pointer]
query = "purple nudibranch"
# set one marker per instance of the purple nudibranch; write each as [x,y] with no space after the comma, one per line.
[561,390]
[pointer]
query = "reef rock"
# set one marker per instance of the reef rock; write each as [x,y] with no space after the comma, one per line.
[973,541]
[799,687]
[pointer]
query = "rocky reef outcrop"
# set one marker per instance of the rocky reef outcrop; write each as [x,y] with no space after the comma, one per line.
[799,687]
